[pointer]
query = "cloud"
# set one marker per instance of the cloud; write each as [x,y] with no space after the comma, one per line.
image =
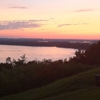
[62,25]
[17,7]
[10,25]
[84,10]
[52,18]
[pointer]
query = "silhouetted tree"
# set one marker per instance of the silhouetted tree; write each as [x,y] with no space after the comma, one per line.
[93,54]
[22,60]
[8,61]
[90,56]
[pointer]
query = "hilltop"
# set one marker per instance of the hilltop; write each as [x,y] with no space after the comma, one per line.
[78,87]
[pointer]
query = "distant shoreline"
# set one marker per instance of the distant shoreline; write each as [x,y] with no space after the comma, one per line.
[83,46]
[79,44]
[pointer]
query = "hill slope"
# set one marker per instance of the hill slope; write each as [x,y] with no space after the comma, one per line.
[78,87]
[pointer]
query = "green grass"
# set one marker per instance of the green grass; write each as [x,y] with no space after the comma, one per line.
[78,87]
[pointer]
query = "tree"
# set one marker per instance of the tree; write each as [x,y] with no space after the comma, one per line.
[14,63]
[93,54]
[8,61]
[20,61]
[90,56]
[79,57]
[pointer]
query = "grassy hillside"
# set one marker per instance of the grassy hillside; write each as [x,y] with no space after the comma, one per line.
[78,87]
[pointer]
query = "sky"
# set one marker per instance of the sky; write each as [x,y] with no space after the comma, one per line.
[60,19]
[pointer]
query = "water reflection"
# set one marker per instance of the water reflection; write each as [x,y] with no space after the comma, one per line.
[32,53]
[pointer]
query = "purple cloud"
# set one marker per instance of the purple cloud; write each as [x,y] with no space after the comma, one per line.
[17,7]
[62,25]
[10,25]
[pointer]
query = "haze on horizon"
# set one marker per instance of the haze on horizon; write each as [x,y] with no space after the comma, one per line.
[66,19]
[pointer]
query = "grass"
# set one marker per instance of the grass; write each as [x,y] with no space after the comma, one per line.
[78,87]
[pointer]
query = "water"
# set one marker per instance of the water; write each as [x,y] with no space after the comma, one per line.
[34,53]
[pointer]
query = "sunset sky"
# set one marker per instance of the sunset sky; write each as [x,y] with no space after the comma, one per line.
[68,19]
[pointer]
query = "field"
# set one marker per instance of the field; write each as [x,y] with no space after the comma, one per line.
[78,87]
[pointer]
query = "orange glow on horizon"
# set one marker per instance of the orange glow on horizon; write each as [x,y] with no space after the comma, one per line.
[51,35]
